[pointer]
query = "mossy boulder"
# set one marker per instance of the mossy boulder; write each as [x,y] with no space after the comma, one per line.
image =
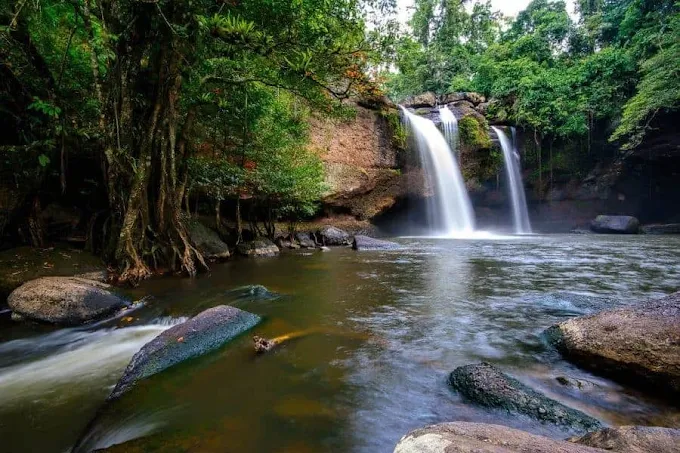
[208,242]
[486,385]
[200,335]
[474,133]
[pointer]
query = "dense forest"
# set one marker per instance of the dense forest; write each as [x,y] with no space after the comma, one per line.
[140,111]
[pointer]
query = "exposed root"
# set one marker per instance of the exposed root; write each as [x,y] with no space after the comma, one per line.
[263,345]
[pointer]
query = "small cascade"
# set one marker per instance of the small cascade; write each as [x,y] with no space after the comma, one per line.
[450,213]
[450,128]
[512,168]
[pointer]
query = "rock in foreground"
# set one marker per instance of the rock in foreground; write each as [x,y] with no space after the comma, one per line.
[258,247]
[615,224]
[462,437]
[634,439]
[201,334]
[638,345]
[486,385]
[330,235]
[64,300]
[367,243]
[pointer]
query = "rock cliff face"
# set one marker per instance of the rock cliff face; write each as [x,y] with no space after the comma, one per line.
[363,168]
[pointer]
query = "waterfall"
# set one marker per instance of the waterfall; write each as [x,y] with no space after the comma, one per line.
[450,212]
[512,168]
[450,128]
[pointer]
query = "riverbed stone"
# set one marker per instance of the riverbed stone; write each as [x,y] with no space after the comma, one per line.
[203,333]
[305,240]
[486,385]
[330,235]
[615,224]
[367,243]
[638,345]
[668,228]
[463,437]
[64,300]
[208,242]
[258,248]
[633,439]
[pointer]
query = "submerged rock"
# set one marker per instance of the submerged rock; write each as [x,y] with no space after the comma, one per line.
[251,292]
[669,228]
[368,243]
[64,300]
[633,439]
[461,437]
[330,235]
[638,345]
[201,334]
[258,247]
[486,385]
[615,224]
[208,242]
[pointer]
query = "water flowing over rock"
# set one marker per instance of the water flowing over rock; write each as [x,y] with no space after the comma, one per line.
[615,224]
[64,300]
[638,345]
[331,235]
[520,213]
[486,385]
[201,334]
[461,437]
[257,248]
[367,243]
[450,128]
[450,212]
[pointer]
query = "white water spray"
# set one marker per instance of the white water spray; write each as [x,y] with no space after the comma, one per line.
[451,212]
[450,128]
[512,168]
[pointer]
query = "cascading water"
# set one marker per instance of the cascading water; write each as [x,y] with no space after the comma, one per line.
[450,128]
[450,213]
[512,168]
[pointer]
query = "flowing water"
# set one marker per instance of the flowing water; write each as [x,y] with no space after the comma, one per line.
[450,211]
[450,128]
[520,213]
[385,329]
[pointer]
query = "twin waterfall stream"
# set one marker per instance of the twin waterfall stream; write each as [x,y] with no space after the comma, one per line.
[449,210]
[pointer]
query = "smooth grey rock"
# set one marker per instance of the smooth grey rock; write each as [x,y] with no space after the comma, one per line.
[305,240]
[367,243]
[638,345]
[64,300]
[633,439]
[208,242]
[428,99]
[201,334]
[330,235]
[615,224]
[258,248]
[486,385]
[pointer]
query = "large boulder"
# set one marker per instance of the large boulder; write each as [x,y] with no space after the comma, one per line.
[633,439]
[462,437]
[208,242]
[428,99]
[475,98]
[367,243]
[64,300]
[669,228]
[615,224]
[305,240]
[257,248]
[639,345]
[330,235]
[486,385]
[201,334]
[451,97]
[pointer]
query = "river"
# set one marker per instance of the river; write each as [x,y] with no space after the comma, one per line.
[385,329]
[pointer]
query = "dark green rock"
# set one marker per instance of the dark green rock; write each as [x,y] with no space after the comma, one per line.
[201,334]
[486,385]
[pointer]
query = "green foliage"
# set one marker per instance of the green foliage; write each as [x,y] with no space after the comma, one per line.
[474,133]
